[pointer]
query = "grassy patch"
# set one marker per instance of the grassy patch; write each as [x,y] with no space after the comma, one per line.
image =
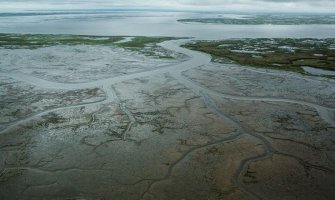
[141,42]
[283,54]
[148,46]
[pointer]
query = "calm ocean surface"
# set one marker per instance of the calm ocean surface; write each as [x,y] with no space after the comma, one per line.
[148,23]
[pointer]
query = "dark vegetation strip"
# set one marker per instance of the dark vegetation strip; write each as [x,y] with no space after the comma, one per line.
[18,41]
[31,41]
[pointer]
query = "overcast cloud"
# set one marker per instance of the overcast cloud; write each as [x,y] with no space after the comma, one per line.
[223,5]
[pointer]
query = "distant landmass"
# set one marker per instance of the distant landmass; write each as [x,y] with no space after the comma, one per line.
[266,19]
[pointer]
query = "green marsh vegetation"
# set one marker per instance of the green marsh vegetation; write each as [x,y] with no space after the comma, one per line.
[145,45]
[283,54]
[29,41]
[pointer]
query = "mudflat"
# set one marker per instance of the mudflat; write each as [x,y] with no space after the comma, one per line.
[145,118]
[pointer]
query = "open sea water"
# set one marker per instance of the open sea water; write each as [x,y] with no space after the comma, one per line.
[147,23]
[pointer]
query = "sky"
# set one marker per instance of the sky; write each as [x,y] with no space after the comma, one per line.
[316,6]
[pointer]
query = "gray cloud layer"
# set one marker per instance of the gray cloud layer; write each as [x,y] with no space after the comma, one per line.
[224,5]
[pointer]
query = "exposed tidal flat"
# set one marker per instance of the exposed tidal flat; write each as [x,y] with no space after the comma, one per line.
[102,117]
[169,117]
